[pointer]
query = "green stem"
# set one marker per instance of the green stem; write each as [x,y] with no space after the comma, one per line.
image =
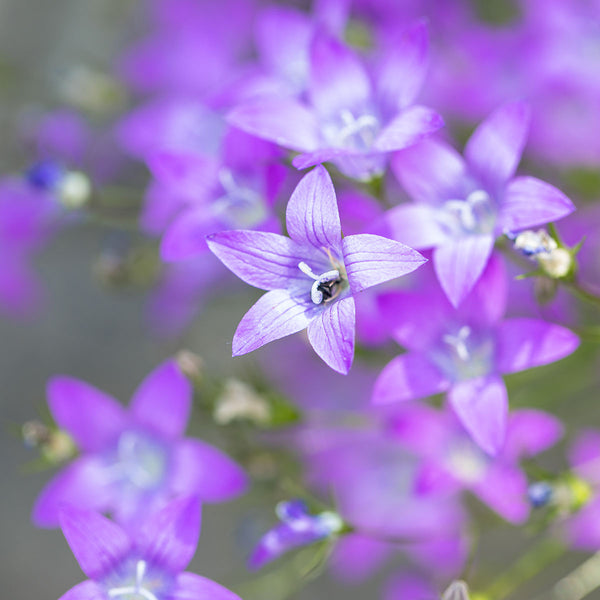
[580,292]
[533,562]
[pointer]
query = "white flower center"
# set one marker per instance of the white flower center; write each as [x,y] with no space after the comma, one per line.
[326,286]
[135,588]
[352,133]
[475,214]
[239,206]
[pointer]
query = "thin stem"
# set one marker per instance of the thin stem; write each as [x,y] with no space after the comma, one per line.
[580,292]
[533,562]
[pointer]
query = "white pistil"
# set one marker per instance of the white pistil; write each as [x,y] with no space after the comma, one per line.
[458,342]
[363,129]
[316,295]
[132,592]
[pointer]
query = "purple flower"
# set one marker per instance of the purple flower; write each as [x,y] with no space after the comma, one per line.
[297,528]
[454,461]
[350,119]
[133,460]
[310,277]
[146,565]
[462,205]
[465,352]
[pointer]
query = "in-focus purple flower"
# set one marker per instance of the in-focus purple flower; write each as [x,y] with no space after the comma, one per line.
[454,461]
[465,352]
[297,528]
[133,461]
[462,205]
[149,564]
[310,277]
[350,119]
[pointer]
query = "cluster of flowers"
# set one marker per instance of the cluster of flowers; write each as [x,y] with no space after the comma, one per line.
[239,98]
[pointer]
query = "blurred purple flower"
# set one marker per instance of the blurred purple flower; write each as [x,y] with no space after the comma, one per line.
[461,206]
[146,565]
[453,460]
[297,528]
[310,277]
[349,119]
[133,461]
[465,352]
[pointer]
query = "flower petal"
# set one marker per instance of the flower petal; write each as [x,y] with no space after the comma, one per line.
[504,490]
[525,343]
[163,400]
[83,484]
[86,590]
[331,334]
[431,171]
[90,416]
[280,120]
[317,157]
[408,377]
[338,80]
[372,259]
[265,260]
[312,215]
[529,202]
[98,543]
[403,67]
[460,262]
[275,315]
[531,432]
[186,236]
[189,586]
[203,470]
[482,406]
[494,150]
[415,225]
[407,128]
[168,539]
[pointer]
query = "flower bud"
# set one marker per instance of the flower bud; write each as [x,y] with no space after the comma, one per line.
[240,402]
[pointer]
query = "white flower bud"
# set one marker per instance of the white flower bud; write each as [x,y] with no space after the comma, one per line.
[74,190]
[557,263]
[239,401]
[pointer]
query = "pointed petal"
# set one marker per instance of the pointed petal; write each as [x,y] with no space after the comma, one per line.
[482,407]
[403,68]
[525,343]
[168,539]
[372,259]
[275,315]
[312,215]
[265,260]
[460,262]
[186,236]
[87,590]
[83,484]
[280,120]
[98,543]
[189,586]
[529,202]
[431,171]
[331,334]
[504,490]
[338,80]
[494,150]
[531,432]
[162,402]
[408,377]
[407,128]
[90,416]
[203,470]
[415,225]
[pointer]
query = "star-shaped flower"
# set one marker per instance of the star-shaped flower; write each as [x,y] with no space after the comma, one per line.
[465,352]
[349,118]
[310,277]
[133,461]
[462,205]
[146,565]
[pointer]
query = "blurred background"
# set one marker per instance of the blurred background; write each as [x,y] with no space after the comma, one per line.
[97,333]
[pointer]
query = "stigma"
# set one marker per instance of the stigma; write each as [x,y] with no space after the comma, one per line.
[326,286]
